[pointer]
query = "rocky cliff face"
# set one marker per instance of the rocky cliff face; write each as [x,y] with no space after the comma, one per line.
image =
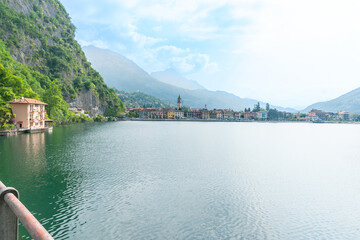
[39,33]
[88,101]
[51,21]
[27,6]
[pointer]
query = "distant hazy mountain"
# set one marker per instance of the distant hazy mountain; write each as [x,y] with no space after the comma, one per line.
[170,76]
[348,102]
[123,74]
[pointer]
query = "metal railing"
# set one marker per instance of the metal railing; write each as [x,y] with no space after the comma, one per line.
[12,210]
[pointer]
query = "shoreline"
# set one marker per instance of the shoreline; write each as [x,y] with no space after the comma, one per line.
[40,130]
[16,132]
[239,121]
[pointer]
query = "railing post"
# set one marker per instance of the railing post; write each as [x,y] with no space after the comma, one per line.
[8,220]
[9,226]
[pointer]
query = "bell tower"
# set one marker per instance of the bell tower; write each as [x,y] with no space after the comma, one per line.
[179,103]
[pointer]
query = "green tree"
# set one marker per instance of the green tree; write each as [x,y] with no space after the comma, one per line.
[57,108]
[99,118]
[5,115]
[273,114]
[257,107]
[267,106]
[13,86]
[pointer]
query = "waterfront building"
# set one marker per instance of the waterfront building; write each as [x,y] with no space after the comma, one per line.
[249,115]
[213,114]
[188,114]
[145,113]
[181,112]
[216,114]
[197,114]
[219,114]
[312,116]
[157,114]
[29,113]
[193,114]
[178,114]
[343,115]
[228,114]
[205,114]
[315,115]
[332,116]
[262,115]
[169,113]
[151,113]
[237,115]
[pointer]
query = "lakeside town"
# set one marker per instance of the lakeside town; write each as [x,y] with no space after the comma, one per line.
[30,115]
[255,114]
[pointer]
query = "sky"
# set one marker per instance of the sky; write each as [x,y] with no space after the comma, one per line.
[289,53]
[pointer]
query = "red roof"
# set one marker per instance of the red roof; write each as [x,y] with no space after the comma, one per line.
[27,101]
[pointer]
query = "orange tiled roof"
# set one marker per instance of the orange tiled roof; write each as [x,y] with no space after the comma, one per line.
[27,101]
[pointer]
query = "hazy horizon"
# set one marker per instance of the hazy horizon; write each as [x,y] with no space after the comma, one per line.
[290,54]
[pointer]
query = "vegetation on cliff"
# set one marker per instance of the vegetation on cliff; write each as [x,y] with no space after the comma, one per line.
[139,99]
[41,59]
[17,80]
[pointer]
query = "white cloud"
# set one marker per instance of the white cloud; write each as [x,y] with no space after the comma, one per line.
[172,49]
[143,40]
[193,63]
[287,52]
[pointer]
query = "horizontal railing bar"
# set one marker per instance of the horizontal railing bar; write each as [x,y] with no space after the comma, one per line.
[32,225]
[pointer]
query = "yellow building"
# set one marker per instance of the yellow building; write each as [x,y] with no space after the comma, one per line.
[205,114]
[169,113]
[29,113]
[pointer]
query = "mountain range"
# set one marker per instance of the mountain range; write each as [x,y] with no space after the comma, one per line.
[170,76]
[347,102]
[125,75]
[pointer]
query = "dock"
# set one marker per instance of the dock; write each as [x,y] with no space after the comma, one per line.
[25,130]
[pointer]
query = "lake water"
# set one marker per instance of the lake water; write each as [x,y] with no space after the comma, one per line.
[189,180]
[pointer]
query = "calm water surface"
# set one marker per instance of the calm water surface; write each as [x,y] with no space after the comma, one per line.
[189,180]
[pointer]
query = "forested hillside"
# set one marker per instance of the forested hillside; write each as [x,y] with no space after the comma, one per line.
[41,59]
[139,99]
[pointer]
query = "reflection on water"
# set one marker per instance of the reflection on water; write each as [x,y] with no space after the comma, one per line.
[37,165]
[34,145]
[180,180]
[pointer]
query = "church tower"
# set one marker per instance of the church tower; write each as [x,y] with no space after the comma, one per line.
[179,103]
